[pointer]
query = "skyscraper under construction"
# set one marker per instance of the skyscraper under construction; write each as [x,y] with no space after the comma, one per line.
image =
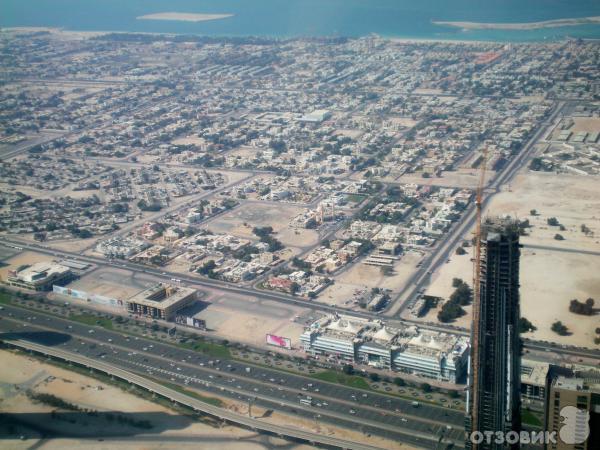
[494,367]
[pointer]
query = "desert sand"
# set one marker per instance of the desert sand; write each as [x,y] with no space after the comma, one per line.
[184,17]
[552,272]
[249,319]
[572,199]
[462,178]
[361,275]
[19,373]
[260,214]
[521,26]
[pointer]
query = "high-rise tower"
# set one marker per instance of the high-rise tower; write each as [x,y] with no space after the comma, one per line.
[494,367]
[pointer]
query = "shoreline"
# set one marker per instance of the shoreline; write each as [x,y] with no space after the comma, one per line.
[184,17]
[522,26]
[92,33]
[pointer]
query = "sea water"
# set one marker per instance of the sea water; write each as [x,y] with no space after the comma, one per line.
[290,18]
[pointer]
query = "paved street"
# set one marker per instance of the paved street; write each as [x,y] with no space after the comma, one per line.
[375,413]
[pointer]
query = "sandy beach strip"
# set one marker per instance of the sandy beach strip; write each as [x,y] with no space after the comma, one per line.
[521,26]
[184,17]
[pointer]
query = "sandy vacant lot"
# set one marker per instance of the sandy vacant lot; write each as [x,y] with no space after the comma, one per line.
[403,121]
[195,140]
[549,280]
[249,319]
[441,286]
[19,373]
[458,267]
[340,294]
[589,124]
[245,152]
[276,215]
[171,430]
[548,288]
[573,200]
[462,178]
[350,133]
[551,273]
[362,275]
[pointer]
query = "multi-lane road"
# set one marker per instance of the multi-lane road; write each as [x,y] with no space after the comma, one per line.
[371,412]
[184,399]
[264,295]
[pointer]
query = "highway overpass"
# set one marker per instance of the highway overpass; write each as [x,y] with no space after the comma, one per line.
[190,402]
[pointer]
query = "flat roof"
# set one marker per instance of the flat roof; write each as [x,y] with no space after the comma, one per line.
[534,372]
[75,264]
[572,384]
[161,295]
[41,271]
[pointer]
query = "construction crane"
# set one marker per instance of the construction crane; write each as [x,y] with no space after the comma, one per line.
[476,300]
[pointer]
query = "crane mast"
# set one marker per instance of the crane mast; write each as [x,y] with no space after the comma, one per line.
[476,300]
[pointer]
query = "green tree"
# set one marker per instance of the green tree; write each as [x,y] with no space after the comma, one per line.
[559,328]
[462,295]
[348,369]
[525,325]
[374,377]
[450,311]
[294,288]
[399,382]
[456,282]
[208,268]
[553,221]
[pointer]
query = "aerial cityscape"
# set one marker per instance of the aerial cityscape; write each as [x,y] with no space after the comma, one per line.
[350,240]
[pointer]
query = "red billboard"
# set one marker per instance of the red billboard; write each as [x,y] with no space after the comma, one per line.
[279,341]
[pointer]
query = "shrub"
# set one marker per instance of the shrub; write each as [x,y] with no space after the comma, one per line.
[559,328]
[525,325]
[399,382]
[578,307]
[374,376]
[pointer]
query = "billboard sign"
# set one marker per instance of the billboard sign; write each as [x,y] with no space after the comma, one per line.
[279,341]
[70,292]
[191,322]
[91,298]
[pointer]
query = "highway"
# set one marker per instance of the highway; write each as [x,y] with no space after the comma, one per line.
[8,151]
[373,412]
[189,279]
[267,295]
[191,402]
